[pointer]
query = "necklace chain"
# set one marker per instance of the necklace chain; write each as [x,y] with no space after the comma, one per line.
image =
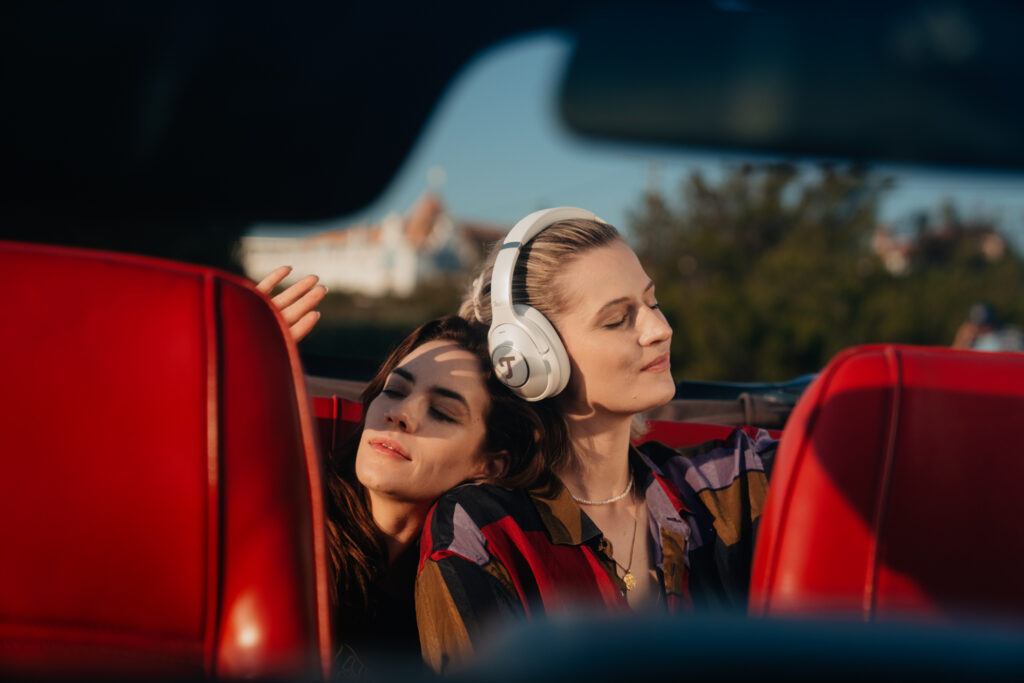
[629,487]
[627,578]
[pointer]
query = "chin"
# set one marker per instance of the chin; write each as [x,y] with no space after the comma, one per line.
[374,476]
[661,392]
[642,404]
[382,487]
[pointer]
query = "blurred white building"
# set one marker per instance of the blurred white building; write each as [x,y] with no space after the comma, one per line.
[392,257]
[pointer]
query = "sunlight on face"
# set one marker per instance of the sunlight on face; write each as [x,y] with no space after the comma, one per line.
[425,431]
[616,336]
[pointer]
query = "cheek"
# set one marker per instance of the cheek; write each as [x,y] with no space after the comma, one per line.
[600,362]
[462,458]
[374,413]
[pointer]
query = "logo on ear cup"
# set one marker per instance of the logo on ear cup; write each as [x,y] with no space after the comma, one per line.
[510,366]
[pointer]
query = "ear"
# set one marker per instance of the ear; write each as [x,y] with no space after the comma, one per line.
[495,466]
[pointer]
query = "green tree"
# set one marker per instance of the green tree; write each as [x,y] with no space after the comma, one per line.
[770,272]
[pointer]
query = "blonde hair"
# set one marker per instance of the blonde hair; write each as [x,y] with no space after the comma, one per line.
[534,282]
[540,263]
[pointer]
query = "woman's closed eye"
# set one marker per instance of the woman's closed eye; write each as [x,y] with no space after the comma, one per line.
[393,392]
[439,414]
[616,323]
[444,406]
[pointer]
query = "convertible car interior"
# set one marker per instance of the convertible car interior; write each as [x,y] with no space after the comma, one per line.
[161,508]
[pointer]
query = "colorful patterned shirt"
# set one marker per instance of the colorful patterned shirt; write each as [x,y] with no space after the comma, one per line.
[490,553]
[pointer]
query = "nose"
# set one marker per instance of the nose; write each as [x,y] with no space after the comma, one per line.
[654,328]
[402,416]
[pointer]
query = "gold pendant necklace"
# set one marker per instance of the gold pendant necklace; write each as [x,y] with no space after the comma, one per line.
[627,577]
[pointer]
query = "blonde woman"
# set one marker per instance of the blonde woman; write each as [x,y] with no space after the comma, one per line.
[611,526]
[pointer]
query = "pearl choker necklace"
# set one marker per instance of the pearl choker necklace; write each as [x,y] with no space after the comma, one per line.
[629,487]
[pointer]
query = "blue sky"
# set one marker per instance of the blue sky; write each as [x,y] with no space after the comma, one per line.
[503,152]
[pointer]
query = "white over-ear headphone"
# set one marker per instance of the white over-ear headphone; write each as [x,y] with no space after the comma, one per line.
[526,351]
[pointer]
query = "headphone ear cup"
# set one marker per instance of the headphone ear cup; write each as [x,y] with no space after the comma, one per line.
[528,355]
[546,337]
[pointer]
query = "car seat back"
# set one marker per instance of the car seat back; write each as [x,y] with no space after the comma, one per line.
[160,497]
[896,490]
[336,418]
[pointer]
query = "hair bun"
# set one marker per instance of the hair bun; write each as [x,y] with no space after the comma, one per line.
[478,285]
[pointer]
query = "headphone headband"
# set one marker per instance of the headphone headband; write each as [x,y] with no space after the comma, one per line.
[526,351]
[521,233]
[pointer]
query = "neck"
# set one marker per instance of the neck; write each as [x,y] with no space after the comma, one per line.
[400,521]
[600,467]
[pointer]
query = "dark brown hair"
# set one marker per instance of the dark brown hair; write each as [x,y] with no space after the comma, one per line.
[357,547]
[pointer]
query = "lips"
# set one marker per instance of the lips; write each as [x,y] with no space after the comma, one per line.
[659,364]
[389,447]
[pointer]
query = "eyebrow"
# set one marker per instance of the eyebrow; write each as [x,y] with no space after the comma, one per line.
[621,299]
[440,391]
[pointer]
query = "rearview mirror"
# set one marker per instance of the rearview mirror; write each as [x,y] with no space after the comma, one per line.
[934,82]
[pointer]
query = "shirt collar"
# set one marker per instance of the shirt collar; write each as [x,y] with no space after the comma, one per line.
[564,520]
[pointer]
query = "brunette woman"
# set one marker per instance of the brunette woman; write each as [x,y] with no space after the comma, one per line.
[434,417]
[615,527]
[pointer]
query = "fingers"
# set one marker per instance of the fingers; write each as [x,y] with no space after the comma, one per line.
[267,284]
[297,302]
[297,308]
[300,289]
[304,324]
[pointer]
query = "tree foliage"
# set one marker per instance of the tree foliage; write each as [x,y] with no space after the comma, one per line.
[770,272]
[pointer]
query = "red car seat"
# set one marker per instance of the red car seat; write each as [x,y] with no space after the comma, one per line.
[678,434]
[160,500]
[336,418]
[897,490]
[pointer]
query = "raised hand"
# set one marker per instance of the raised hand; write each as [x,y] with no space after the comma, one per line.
[297,303]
